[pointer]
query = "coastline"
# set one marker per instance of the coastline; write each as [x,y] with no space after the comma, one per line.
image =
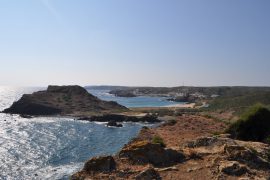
[185,105]
[190,151]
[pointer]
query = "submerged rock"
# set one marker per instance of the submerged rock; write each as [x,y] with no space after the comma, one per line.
[63,100]
[114,124]
[26,116]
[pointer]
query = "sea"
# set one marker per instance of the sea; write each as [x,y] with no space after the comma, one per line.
[56,147]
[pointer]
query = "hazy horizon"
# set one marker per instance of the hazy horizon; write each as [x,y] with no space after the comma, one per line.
[135,43]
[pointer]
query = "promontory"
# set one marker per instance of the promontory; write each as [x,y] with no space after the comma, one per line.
[63,100]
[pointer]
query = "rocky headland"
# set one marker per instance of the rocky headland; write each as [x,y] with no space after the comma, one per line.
[63,100]
[184,148]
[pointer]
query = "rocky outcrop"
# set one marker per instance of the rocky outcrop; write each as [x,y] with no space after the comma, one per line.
[196,157]
[100,164]
[232,168]
[63,100]
[96,165]
[231,157]
[144,152]
[121,118]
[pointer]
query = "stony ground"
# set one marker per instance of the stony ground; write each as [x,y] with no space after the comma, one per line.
[193,151]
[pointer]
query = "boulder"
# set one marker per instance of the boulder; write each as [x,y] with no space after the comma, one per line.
[244,155]
[232,168]
[148,174]
[100,164]
[144,152]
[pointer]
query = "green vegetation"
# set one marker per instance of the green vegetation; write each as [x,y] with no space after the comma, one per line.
[267,140]
[254,125]
[268,155]
[239,103]
[158,140]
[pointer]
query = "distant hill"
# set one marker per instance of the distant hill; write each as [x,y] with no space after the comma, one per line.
[63,100]
[175,91]
[106,87]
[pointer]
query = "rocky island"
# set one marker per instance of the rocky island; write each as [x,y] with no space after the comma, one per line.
[63,100]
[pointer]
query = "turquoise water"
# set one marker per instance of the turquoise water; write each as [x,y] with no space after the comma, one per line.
[141,101]
[52,147]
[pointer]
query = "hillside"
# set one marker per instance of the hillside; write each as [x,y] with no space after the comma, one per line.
[240,102]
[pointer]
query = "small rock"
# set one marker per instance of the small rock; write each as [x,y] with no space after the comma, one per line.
[173,168]
[148,174]
[26,116]
[233,168]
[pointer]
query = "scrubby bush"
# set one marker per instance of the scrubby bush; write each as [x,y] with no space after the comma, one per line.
[158,140]
[254,125]
[171,122]
[268,140]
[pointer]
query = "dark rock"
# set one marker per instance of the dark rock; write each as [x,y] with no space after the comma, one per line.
[148,174]
[246,156]
[121,118]
[26,116]
[27,108]
[233,168]
[114,124]
[144,152]
[100,164]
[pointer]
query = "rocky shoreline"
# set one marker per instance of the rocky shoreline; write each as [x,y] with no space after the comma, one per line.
[116,119]
[185,149]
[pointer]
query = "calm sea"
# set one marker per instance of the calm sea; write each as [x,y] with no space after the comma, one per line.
[141,101]
[54,148]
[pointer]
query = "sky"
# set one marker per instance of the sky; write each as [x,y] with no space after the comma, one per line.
[135,42]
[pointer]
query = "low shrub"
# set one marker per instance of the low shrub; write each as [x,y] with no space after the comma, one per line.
[171,122]
[158,140]
[254,125]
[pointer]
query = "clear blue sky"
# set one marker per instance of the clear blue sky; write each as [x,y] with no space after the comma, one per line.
[135,42]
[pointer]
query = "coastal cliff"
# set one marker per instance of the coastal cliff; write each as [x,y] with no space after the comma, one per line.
[63,100]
